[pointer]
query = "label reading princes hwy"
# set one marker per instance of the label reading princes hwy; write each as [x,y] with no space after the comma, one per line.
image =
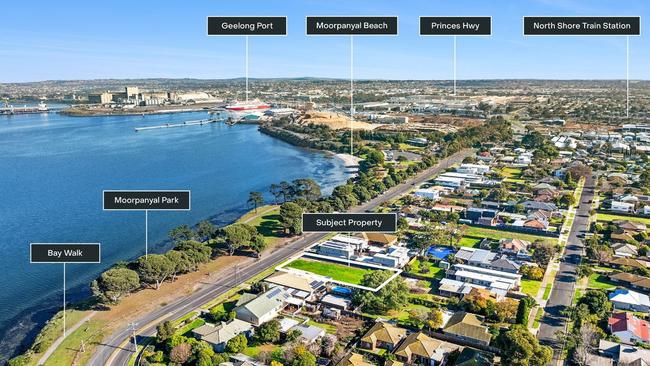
[64,252]
[348,222]
[147,200]
[582,26]
[350,26]
[247,26]
[455,26]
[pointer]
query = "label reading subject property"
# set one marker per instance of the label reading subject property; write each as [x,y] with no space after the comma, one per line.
[247,26]
[582,26]
[349,222]
[147,200]
[350,26]
[455,26]
[64,252]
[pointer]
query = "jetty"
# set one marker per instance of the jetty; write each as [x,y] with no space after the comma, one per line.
[198,122]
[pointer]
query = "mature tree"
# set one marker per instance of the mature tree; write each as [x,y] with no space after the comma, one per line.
[182,233]
[205,230]
[586,340]
[113,284]
[276,192]
[306,188]
[329,343]
[237,343]
[579,170]
[237,236]
[505,309]
[543,253]
[521,348]
[255,199]
[532,272]
[291,217]
[164,331]
[533,140]
[391,297]
[258,244]
[597,302]
[181,353]
[435,319]
[196,252]
[268,332]
[181,261]
[418,318]
[155,269]
[302,357]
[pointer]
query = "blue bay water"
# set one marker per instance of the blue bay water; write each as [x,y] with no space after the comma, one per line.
[53,169]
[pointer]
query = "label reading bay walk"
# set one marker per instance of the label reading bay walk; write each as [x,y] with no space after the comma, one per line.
[147,200]
[64,253]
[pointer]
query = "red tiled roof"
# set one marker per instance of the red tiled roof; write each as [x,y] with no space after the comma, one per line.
[621,322]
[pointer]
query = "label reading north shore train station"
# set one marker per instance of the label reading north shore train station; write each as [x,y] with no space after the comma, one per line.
[147,200]
[351,26]
[455,26]
[64,253]
[247,26]
[349,222]
[582,26]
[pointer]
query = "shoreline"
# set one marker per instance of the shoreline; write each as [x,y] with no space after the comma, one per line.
[107,112]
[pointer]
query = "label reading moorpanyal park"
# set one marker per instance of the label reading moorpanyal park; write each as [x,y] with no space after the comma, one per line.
[455,26]
[582,26]
[247,26]
[349,222]
[173,200]
[351,25]
[64,253]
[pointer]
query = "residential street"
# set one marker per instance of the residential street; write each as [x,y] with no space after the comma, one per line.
[565,281]
[118,349]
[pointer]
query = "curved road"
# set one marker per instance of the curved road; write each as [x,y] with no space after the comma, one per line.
[117,349]
[565,280]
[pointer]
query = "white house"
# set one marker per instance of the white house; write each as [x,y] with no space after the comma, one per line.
[450,182]
[395,257]
[217,335]
[625,250]
[624,299]
[431,193]
[473,169]
[618,206]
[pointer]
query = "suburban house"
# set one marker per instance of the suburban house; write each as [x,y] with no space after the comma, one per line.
[473,169]
[217,335]
[380,239]
[382,335]
[431,193]
[354,359]
[469,327]
[418,348]
[395,257]
[300,285]
[484,277]
[625,207]
[534,205]
[628,328]
[625,250]
[482,216]
[623,354]
[264,307]
[486,259]
[633,281]
[357,243]
[336,249]
[631,227]
[514,246]
[624,299]
[450,287]
[309,333]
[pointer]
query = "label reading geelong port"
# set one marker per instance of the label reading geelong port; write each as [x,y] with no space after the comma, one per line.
[247,26]
[64,252]
[147,200]
[351,26]
[582,26]
[349,222]
[455,26]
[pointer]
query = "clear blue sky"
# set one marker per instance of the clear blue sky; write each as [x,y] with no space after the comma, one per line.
[45,40]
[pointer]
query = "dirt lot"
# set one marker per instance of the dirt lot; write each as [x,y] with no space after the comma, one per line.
[335,121]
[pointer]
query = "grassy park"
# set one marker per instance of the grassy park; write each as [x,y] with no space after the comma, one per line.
[495,234]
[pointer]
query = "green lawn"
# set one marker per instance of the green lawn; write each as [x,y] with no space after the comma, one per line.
[598,281]
[189,327]
[538,317]
[337,272]
[426,269]
[268,225]
[329,328]
[608,218]
[495,234]
[470,241]
[511,172]
[547,291]
[530,287]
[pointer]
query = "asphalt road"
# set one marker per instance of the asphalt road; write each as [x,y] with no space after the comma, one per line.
[565,280]
[110,351]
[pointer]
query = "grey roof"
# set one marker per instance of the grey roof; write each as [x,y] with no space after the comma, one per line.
[310,333]
[534,205]
[505,262]
[475,255]
[267,302]
[223,332]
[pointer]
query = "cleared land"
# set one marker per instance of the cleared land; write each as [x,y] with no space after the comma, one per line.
[610,217]
[337,272]
[501,234]
[335,121]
